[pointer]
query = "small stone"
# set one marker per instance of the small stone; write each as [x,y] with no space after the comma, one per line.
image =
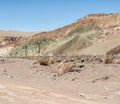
[11,76]
[58,60]
[82,60]
[81,96]
[105,97]
[73,79]
[54,75]
[81,66]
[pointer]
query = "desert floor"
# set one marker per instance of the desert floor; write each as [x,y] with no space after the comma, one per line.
[22,82]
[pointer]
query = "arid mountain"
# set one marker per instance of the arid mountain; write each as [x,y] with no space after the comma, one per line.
[84,67]
[16,33]
[95,34]
[10,39]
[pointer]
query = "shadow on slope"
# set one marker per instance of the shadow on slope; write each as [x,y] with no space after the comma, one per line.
[80,37]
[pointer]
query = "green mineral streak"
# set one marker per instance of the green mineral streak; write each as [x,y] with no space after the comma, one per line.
[37,47]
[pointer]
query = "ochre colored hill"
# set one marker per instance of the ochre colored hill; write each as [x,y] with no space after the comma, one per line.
[95,34]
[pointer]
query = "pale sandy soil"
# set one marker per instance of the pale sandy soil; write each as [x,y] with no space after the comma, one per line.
[21,82]
[16,33]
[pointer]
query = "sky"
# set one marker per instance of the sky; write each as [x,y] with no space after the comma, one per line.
[45,15]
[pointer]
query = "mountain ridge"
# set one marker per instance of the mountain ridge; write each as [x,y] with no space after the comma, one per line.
[80,36]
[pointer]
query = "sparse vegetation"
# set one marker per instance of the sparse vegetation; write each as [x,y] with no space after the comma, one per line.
[107,60]
[117,61]
[44,61]
[64,67]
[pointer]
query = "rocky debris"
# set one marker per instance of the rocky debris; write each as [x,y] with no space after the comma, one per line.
[82,66]
[82,60]
[59,60]
[95,82]
[11,39]
[90,58]
[8,39]
[59,65]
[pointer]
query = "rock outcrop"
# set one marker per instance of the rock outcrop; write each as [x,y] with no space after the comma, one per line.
[95,34]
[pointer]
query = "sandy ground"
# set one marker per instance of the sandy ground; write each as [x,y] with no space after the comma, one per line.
[21,82]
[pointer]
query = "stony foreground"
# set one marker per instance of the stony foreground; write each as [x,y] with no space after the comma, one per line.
[22,82]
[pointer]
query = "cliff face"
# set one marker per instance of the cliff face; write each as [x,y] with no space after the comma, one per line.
[90,35]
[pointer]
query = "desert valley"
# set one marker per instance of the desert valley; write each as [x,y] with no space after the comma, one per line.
[76,64]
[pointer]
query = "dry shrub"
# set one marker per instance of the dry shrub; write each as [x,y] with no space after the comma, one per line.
[107,60]
[64,67]
[45,61]
[117,61]
[35,62]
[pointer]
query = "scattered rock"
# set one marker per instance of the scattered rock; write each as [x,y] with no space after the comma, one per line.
[73,79]
[82,60]
[11,76]
[105,97]
[59,60]
[82,66]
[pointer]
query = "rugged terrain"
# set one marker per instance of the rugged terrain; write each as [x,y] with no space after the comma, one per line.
[100,32]
[23,82]
[10,39]
[75,64]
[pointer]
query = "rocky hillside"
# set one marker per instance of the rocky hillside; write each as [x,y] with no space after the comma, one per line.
[95,34]
[10,39]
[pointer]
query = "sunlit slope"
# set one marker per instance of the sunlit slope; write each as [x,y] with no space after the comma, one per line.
[81,37]
[94,34]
